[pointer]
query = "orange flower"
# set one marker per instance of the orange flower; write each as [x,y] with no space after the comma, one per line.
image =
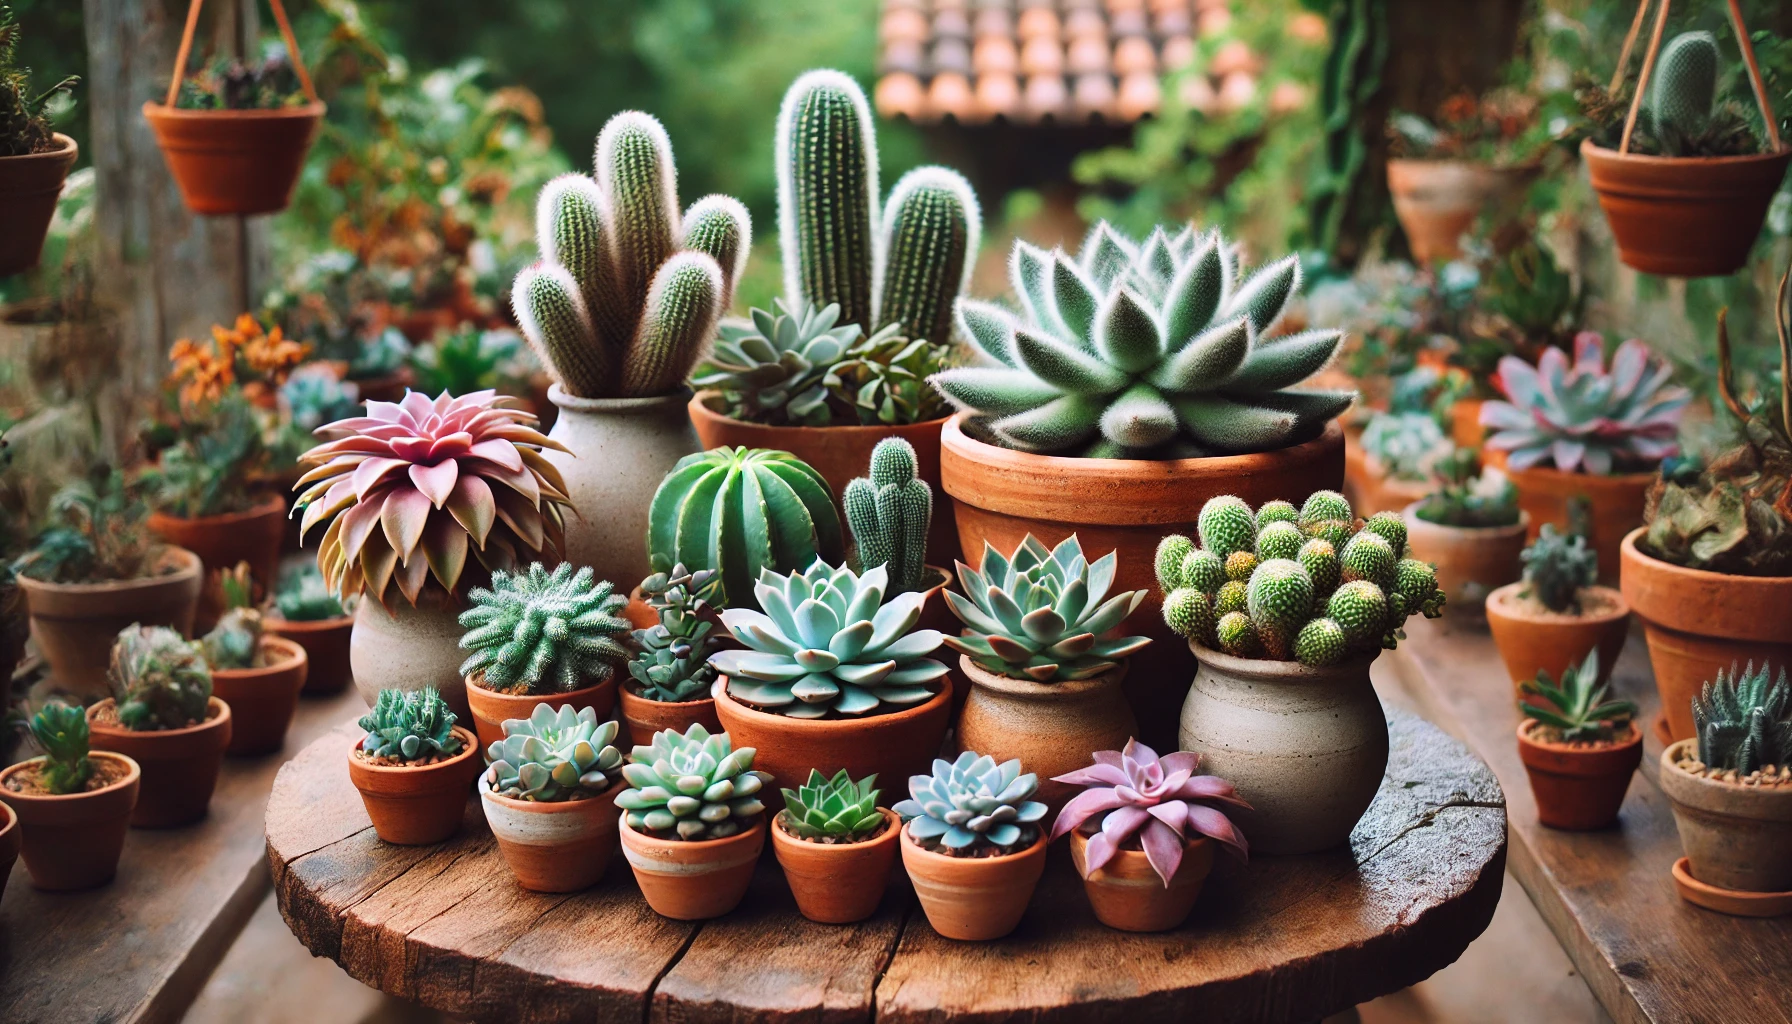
[1460,107]
[200,372]
[203,373]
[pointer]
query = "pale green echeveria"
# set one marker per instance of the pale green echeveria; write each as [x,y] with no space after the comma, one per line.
[554,755]
[691,785]
[971,802]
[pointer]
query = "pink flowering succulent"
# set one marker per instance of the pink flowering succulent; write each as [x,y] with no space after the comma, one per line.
[1160,801]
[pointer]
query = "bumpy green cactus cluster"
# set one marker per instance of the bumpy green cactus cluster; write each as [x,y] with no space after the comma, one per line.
[836,810]
[627,292]
[1557,567]
[673,661]
[1309,585]
[1743,722]
[888,513]
[537,631]
[554,756]
[61,730]
[409,725]
[160,679]
[691,786]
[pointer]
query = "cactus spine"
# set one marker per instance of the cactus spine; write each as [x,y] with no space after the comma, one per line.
[889,513]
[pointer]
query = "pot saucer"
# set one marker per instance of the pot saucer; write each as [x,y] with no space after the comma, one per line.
[1734,902]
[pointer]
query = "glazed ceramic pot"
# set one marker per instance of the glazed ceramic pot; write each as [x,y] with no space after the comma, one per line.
[838,883]
[254,536]
[409,648]
[1127,893]
[415,805]
[1579,787]
[1735,836]
[973,899]
[29,188]
[1684,216]
[1615,503]
[74,624]
[1697,622]
[262,700]
[894,745]
[693,881]
[839,454]
[326,643]
[1438,201]
[622,449]
[9,844]
[557,846]
[179,766]
[1531,641]
[1054,728]
[645,717]
[1305,746]
[1471,561]
[73,841]
[492,709]
[242,162]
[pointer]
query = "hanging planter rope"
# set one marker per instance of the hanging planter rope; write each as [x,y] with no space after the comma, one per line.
[235,161]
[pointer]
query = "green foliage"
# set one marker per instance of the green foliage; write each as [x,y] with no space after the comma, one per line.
[773,368]
[882,380]
[1576,709]
[1741,721]
[463,361]
[235,641]
[302,596]
[24,123]
[835,810]
[409,725]
[554,756]
[1557,568]
[1405,445]
[61,730]
[673,661]
[888,512]
[537,631]
[213,463]
[99,532]
[691,786]
[1468,497]
[972,804]
[160,679]
[229,84]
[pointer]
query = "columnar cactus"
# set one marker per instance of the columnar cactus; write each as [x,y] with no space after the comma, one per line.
[537,631]
[1683,92]
[160,679]
[691,786]
[888,513]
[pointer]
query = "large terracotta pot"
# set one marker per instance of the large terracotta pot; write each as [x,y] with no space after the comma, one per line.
[263,700]
[839,454]
[416,805]
[1579,787]
[1128,894]
[73,841]
[492,709]
[1697,622]
[557,846]
[693,881]
[1684,216]
[622,449]
[9,844]
[326,649]
[1530,642]
[74,624]
[1471,561]
[1736,836]
[221,541]
[1614,502]
[179,766]
[29,188]
[645,717]
[1437,201]
[838,883]
[1054,728]
[973,899]
[1305,746]
[409,648]
[235,161]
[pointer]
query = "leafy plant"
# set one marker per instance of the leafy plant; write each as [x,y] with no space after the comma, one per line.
[691,786]
[554,756]
[836,810]
[160,679]
[537,631]
[883,380]
[1161,804]
[409,726]
[1576,710]
[100,532]
[1557,567]
[889,511]
[61,730]
[24,126]
[1404,444]
[235,642]
[972,804]
[1527,302]
[1741,720]
[1501,128]
[229,84]
[774,367]
[1468,496]
[314,394]
[301,596]
[673,661]
[472,359]
[1582,417]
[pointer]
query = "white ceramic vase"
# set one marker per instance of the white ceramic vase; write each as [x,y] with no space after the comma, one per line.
[409,649]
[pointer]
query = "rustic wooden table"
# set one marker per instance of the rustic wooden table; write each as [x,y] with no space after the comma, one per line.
[1280,939]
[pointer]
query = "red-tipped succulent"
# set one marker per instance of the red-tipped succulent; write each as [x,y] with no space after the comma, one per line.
[413,486]
[1160,801]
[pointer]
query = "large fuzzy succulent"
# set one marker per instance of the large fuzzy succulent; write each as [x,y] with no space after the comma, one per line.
[1153,350]
[971,804]
[828,642]
[554,755]
[1133,793]
[537,631]
[1582,418]
[691,786]
[1041,613]
[160,679]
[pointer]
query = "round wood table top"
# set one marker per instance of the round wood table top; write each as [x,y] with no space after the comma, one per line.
[1281,939]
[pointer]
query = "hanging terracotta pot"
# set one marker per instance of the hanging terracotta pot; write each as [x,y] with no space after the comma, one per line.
[180,766]
[1054,728]
[1532,639]
[263,699]
[29,188]
[254,535]
[1579,786]
[492,708]
[1614,504]
[1472,561]
[1438,201]
[74,624]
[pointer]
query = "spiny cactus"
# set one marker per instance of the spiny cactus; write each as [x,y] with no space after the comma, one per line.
[537,631]
[1741,721]
[61,730]
[972,804]
[1557,567]
[160,679]
[1576,710]
[627,292]
[1683,92]
[408,726]
[554,756]
[691,786]
[836,810]
[888,513]
[1280,601]
[673,661]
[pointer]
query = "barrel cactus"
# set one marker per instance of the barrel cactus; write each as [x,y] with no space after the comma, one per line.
[537,631]
[836,810]
[408,727]
[160,679]
[972,806]
[554,756]
[889,511]
[691,786]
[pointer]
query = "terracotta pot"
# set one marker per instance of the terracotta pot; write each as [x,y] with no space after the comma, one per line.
[1438,201]
[937,614]
[1616,506]
[973,899]
[895,745]
[1579,788]
[1530,643]
[9,844]
[387,387]
[1697,622]
[29,188]
[409,648]
[262,700]
[326,649]
[235,161]
[689,881]
[1471,561]
[179,766]
[639,613]
[838,883]
[1127,893]
[1735,836]
[1053,728]
[1305,746]
[1684,216]
[417,805]
[224,540]
[492,709]
[1465,423]
[622,449]
[73,841]
[839,454]
[74,624]
[560,846]
[645,717]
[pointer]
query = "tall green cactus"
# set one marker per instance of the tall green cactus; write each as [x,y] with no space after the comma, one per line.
[888,514]
[929,235]
[1684,90]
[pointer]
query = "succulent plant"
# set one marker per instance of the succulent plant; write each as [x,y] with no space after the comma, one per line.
[61,730]
[882,380]
[773,367]
[160,679]
[24,126]
[888,512]
[1583,418]
[740,511]
[409,725]
[691,786]
[1557,567]
[1468,496]
[1742,721]
[972,804]
[1576,708]
[235,641]
[1405,445]
[413,488]
[1682,115]
[1161,803]
[627,292]
[537,631]
[827,641]
[673,661]
[1041,613]
[302,596]
[99,531]
[836,810]
[554,756]
[1143,351]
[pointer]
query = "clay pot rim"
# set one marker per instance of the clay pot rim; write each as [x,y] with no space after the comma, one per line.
[890,834]
[831,725]
[1283,671]
[1596,481]
[1748,590]
[574,403]
[1635,738]
[212,721]
[67,148]
[1078,835]
[1591,150]
[311,110]
[131,777]
[1028,689]
[267,503]
[915,849]
[701,411]
[1413,520]
[295,655]
[547,806]
[1735,902]
[626,688]
[630,834]
[190,568]
[1502,597]
[469,747]
[538,698]
[1717,796]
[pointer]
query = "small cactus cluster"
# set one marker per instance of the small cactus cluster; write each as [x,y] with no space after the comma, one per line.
[61,730]
[409,726]
[691,786]
[889,512]
[836,810]
[673,661]
[537,631]
[554,756]
[971,805]
[1557,567]
[1310,584]
[160,679]
[235,642]
[1743,720]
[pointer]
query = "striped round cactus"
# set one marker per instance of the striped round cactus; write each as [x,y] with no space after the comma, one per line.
[888,512]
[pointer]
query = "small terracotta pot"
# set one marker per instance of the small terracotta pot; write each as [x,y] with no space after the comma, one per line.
[1437,201]
[1471,561]
[73,841]
[645,717]
[1053,728]
[1127,893]
[838,883]
[326,650]
[221,541]
[639,613]
[1697,622]
[179,766]
[1579,788]
[492,709]
[1465,423]
[1616,506]
[689,881]
[1684,216]
[235,161]
[387,387]
[559,846]
[416,806]
[409,648]
[74,624]
[9,844]
[973,899]
[262,700]
[29,188]
[1530,643]
[895,745]
[1735,836]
